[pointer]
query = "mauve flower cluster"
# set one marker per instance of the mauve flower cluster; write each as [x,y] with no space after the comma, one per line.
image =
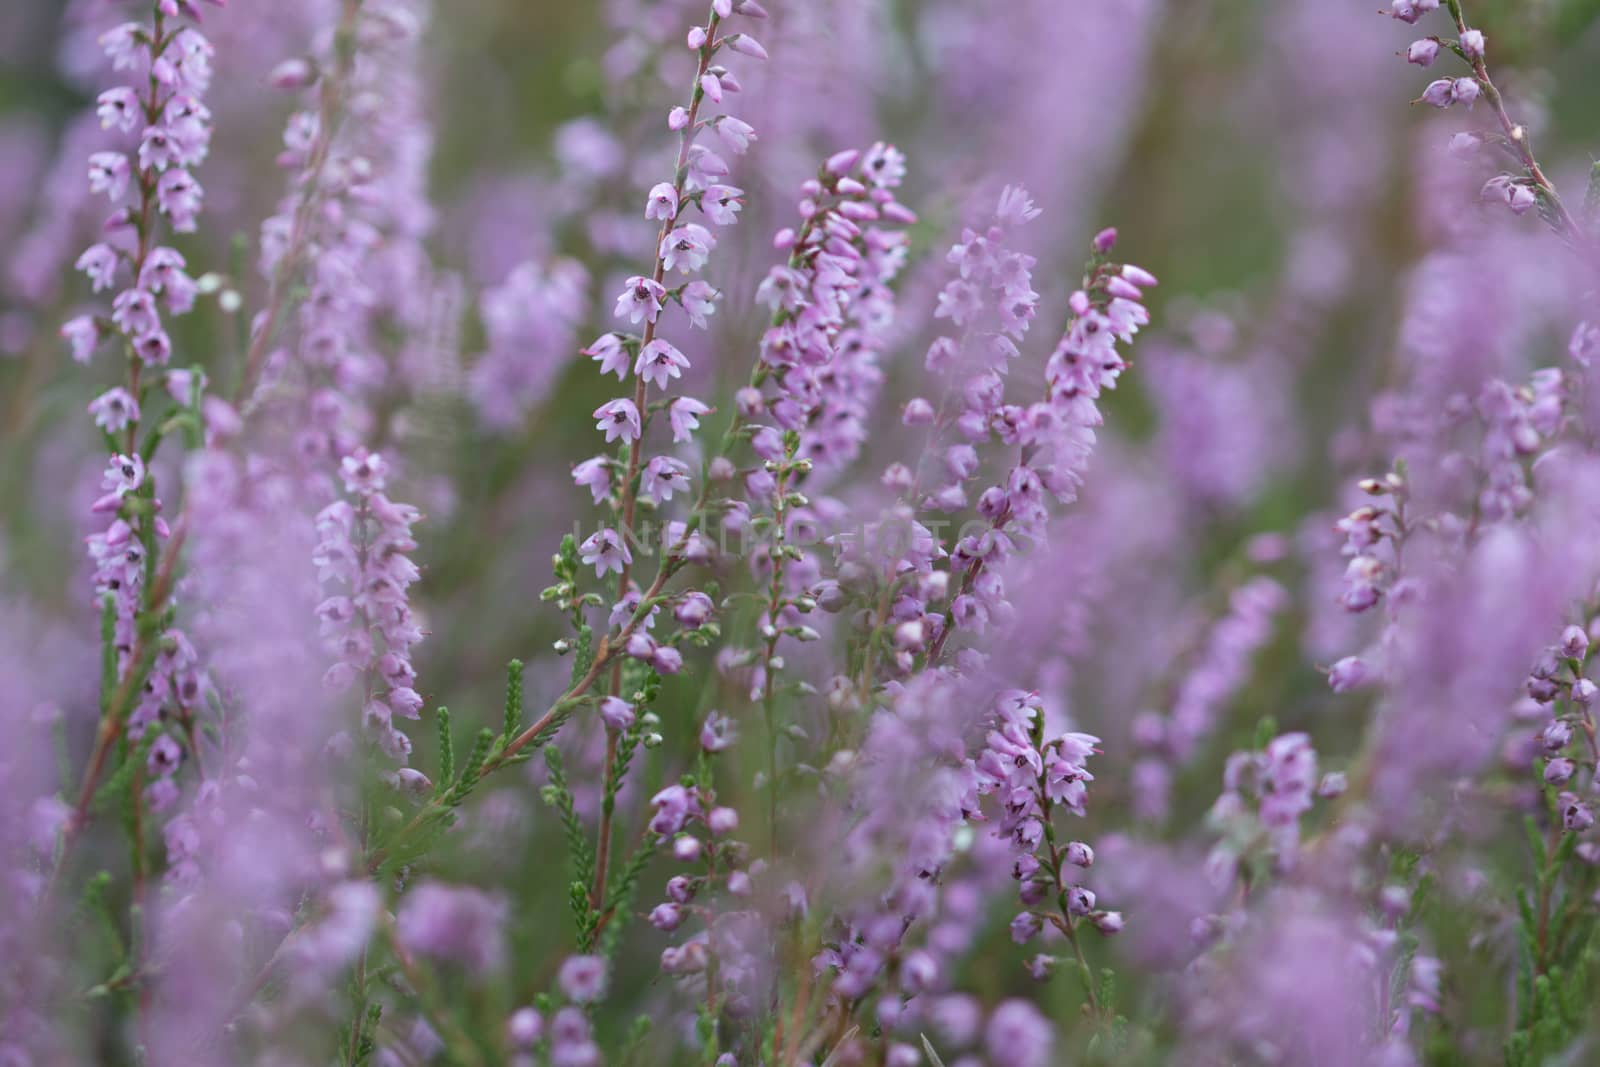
[918,689]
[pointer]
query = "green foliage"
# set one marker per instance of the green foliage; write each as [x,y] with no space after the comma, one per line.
[583,657]
[472,769]
[559,796]
[117,793]
[619,902]
[447,752]
[1558,950]
[513,718]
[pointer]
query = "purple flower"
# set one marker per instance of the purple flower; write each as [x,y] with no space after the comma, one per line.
[123,474]
[605,551]
[641,298]
[659,362]
[618,419]
[83,334]
[109,174]
[594,472]
[114,409]
[662,203]
[721,204]
[616,713]
[1018,1036]
[609,352]
[99,262]
[699,302]
[683,414]
[717,733]
[453,923]
[119,108]
[582,978]
[686,248]
[1423,52]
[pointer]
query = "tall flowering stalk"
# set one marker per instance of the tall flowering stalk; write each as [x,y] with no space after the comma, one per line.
[1518,192]
[844,786]
[170,62]
[682,247]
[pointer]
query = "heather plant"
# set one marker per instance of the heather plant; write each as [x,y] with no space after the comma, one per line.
[751,574]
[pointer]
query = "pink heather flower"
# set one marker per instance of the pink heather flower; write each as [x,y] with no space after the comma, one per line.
[618,419]
[745,45]
[717,733]
[666,660]
[605,551]
[179,196]
[1464,91]
[1423,52]
[156,149]
[677,119]
[1472,44]
[705,166]
[123,45]
[123,474]
[1016,207]
[134,312]
[687,248]
[641,299]
[83,334]
[782,289]
[594,472]
[659,362]
[664,476]
[363,472]
[163,273]
[114,409]
[1017,1035]
[1559,771]
[699,302]
[1347,674]
[582,978]
[884,165]
[616,713]
[454,923]
[842,162]
[609,351]
[711,84]
[735,133]
[1439,93]
[182,385]
[292,74]
[1139,276]
[693,610]
[99,262]
[662,203]
[721,204]
[109,174]
[1515,195]
[119,108]
[154,348]
[683,414]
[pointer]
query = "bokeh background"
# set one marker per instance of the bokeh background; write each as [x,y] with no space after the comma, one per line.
[1261,157]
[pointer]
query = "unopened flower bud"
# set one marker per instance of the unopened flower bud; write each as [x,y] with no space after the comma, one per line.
[1423,52]
[1107,922]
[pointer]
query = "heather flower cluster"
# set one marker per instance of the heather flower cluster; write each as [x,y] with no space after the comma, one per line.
[665,533]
